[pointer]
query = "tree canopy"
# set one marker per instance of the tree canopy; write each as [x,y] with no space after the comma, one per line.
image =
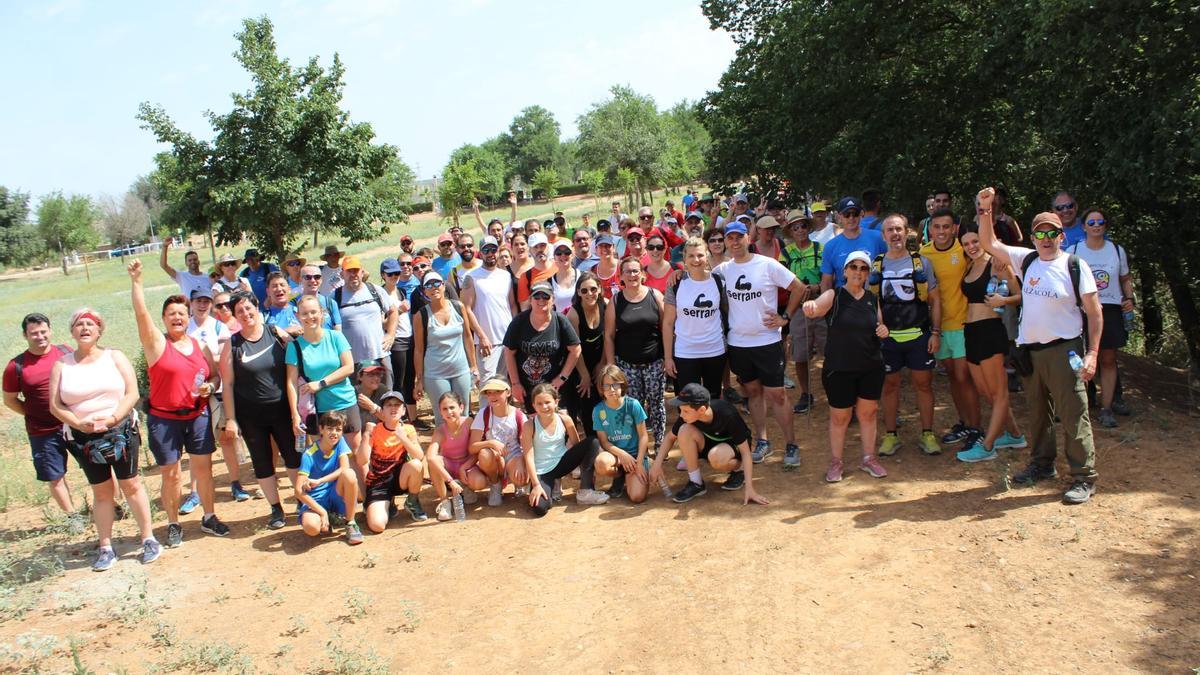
[532,141]
[20,241]
[68,223]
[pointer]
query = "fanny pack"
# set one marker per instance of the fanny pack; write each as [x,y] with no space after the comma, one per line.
[111,446]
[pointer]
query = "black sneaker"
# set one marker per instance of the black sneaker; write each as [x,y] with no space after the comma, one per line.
[213,525]
[736,480]
[617,489]
[413,506]
[174,535]
[1033,473]
[803,405]
[392,510]
[1079,493]
[277,519]
[972,436]
[956,434]
[689,492]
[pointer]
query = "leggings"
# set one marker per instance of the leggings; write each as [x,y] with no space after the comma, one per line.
[582,455]
[580,407]
[399,360]
[436,386]
[646,382]
[261,423]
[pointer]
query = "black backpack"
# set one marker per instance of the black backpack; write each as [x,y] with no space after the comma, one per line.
[425,312]
[19,360]
[337,297]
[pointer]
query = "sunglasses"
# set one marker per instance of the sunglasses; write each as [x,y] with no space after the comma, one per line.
[634,238]
[540,295]
[445,243]
[229,264]
[645,217]
[656,247]
[716,240]
[1095,222]
[562,252]
[852,214]
[1047,234]
[433,284]
[489,249]
[293,263]
[406,263]
[423,266]
[589,291]
[310,277]
[391,274]
[857,268]
[466,245]
[800,226]
[221,305]
[1064,207]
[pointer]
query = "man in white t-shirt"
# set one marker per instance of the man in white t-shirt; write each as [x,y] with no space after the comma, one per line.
[752,284]
[1051,330]
[488,291]
[822,228]
[188,280]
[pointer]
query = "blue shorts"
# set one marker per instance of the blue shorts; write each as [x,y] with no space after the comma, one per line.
[49,456]
[913,355]
[169,438]
[328,498]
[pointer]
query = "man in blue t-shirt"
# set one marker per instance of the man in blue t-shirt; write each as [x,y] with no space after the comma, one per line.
[447,258]
[1067,210]
[256,273]
[853,238]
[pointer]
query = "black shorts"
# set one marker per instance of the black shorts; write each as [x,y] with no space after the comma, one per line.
[385,490]
[844,388]
[1114,335]
[985,339]
[913,355]
[354,421]
[98,474]
[708,371]
[758,364]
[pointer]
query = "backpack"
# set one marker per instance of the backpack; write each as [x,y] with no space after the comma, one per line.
[789,260]
[425,312]
[19,360]
[919,276]
[723,304]
[1072,268]
[337,297]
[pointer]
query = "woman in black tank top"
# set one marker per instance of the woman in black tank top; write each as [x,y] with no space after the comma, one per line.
[633,342]
[581,392]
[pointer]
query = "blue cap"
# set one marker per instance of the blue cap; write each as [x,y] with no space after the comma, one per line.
[846,203]
[736,227]
[389,266]
[606,238]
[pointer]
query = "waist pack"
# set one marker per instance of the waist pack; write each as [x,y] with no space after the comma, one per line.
[109,447]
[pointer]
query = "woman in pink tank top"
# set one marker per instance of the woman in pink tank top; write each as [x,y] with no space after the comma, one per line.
[450,462]
[93,391]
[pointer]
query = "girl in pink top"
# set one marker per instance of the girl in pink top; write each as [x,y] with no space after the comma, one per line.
[450,463]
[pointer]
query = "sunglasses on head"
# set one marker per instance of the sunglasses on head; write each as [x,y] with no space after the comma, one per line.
[1096,222]
[310,277]
[1047,234]
[656,247]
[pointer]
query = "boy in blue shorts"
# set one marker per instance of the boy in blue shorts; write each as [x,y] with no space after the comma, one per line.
[327,484]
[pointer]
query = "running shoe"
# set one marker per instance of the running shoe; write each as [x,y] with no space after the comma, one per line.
[213,525]
[890,444]
[191,503]
[682,465]
[929,443]
[277,519]
[354,536]
[1079,493]
[521,491]
[803,404]
[458,508]
[444,511]
[423,424]
[957,433]
[174,535]
[1107,419]
[788,383]
[105,559]
[834,474]
[762,450]
[413,506]
[976,452]
[1007,440]
[239,493]
[151,549]
[1121,408]
[1033,473]
[615,491]
[791,455]
[590,497]
[689,492]
[495,494]
[871,465]
[735,481]
[468,495]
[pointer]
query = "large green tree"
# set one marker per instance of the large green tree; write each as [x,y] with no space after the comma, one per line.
[285,160]
[624,132]
[532,141]
[68,224]
[490,165]
[20,242]
[461,184]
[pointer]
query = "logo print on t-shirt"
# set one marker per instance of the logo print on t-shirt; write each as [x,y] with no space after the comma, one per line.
[702,302]
[741,284]
[1102,279]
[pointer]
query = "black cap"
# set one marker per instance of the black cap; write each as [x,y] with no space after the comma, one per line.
[693,394]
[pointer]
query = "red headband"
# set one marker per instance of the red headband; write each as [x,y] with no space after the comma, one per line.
[88,315]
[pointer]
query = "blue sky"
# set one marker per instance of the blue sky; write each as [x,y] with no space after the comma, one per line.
[428,76]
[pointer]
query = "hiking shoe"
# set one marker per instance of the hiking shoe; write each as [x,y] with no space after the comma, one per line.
[213,525]
[889,445]
[191,503]
[791,455]
[277,519]
[1033,473]
[354,536]
[590,497]
[105,559]
[615,491]
[413,506]
[689,492]
[495,494]
[337,519]
[444,511]
[871,465]
[788,383]
[929,443]
[556,491]
[468,495]
[735,481]
[1007,440]
[239,494]
[1107,419]
[834,474]
[151,549]
[732,396]
[1079,493]
[458,508]
[973,436]
[976,453]
[803,404]
[1120,408]
[762,450]
[174,535]
[957,433]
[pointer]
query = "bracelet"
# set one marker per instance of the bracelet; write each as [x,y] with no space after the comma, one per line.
[983,211]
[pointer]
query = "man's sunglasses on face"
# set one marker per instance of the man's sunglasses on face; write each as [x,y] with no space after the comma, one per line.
[1064,207]
[311,277]
[1047,234]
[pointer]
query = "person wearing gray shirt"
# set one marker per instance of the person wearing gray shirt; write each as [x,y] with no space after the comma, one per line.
[369,317]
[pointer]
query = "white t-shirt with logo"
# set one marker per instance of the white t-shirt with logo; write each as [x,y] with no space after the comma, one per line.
[493,288]
[1048,310]
[503,429]
[698,331]
[752,288]
[1108,265]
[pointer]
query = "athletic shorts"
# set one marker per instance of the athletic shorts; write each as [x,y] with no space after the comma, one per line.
[1114,335]
[985,339]
[49,456]
[710,443]
[953,345]
[329,499]
[453,465]
[913,355]
[170,438]
[758,364]
[844,388]
[807,335]
[98,474]
[386,489]
[354,421]
[707,371]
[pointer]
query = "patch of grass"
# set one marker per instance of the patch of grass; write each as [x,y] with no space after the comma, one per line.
[297,624]
[164,635]
[369,560]
[68,603]
[268,592]
[939,655]
[29,651]
[413,556]
[77,665]
[358,602]
[220,598]
[212,656]
[345,661]
[133,606]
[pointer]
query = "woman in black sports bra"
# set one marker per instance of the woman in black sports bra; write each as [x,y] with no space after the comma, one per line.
[987,344]
[587,317]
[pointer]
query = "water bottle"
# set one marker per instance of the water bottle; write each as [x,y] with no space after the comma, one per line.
[1075,361]
[1128,317]
[197,382]
[1002,291]
[301,441]
[665,487]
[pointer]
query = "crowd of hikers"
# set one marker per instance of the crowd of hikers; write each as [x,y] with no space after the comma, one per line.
[550,351]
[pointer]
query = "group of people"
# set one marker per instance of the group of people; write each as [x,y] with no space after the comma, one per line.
[573,339]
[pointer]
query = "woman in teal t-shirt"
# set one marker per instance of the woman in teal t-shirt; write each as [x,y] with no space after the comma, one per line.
[327,367]
[620,423]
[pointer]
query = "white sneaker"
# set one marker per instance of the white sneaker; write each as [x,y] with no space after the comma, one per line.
[590,497]
[444,511]
[495,494]
[468,495]
[576,473]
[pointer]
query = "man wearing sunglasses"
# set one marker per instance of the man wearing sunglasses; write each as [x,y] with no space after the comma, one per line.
[853,238]
[1054,286]
[311,279]
[466,250]
[583,260]
[447,258]
[487,291]
[1067,210]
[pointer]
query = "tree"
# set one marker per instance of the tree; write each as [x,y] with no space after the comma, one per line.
[124,222]
[284,160]
[20,242]
[68,223]
[531,141]
[594,182]
[397,183]
[546,180]
[624,132]
[626,181]
[688,144]
[147,191]
[489,164]
[461,184]
[566,161]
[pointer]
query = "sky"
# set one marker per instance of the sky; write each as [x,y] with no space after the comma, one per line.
[428,76]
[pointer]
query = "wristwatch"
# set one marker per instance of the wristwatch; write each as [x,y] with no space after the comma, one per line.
[562,378]
[784,316]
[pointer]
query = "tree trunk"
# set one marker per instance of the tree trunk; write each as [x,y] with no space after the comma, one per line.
[1148,302]
[316,231]
[212,245]
[62,258]
[1189,317]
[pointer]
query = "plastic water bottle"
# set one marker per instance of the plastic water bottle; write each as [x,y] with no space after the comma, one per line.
[665,487]
[301,441]
[1128,317]
[1075,361]
[197,382]
[1002,291]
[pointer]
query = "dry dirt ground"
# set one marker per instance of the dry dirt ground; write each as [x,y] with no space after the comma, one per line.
[936,567]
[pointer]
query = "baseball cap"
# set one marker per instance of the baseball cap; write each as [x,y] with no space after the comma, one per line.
[1046,218]
[351,262]
[405,238]
[203,292]
[389,266]
[708,197]
[745,218]
[818,206]
[634,230]
[603,223]
[369,366]
[766,221]
[692,215]
[537,239]
[446,237]
[391,395]
[488,241]
[736,227]
[431,275]
[561,245]
[420,260]
[494,384]
[846,203]
[605,238]
[251,253]
[670,221]
[693,394]
[740,197]
[541,287]
[857,255]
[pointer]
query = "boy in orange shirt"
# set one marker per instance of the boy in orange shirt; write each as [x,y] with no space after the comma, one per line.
[397,466]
